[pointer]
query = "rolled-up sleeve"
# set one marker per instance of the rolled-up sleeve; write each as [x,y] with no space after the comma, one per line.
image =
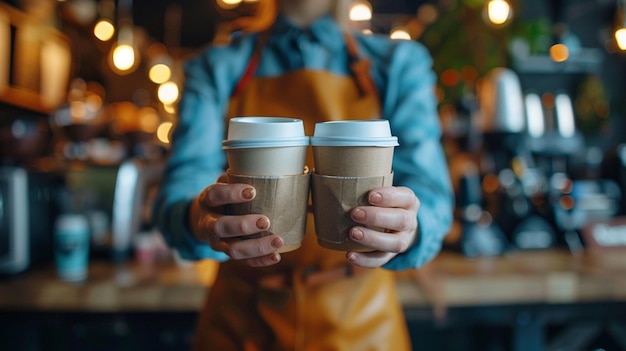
[419,161]
[196,158]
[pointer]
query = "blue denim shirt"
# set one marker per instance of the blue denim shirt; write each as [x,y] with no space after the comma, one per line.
[402,73]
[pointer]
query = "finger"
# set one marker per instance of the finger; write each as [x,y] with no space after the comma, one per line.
[369,259]
[225,227]
[220,194]
[378,241]
[257,251]
[263,261]
[393,219]
[396,197]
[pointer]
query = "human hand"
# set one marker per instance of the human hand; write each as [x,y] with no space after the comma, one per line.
[395,210]
[226,233]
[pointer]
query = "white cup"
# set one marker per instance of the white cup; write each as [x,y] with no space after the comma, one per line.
[270,146]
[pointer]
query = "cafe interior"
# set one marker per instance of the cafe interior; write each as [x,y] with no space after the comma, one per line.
[531,100]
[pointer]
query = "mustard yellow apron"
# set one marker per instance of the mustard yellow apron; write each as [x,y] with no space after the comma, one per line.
[312,299]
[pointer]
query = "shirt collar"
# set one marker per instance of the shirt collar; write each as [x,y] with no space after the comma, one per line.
[325,30]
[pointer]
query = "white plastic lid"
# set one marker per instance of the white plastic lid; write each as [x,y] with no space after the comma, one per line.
[264,128]
[375,132]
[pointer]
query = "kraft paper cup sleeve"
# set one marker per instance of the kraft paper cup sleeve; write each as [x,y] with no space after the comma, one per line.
[283,199]
[333,199]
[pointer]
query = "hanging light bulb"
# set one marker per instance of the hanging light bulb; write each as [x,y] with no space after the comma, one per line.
[104,30]
[620,27]
[360,11]
[498,12]
[400,33]
[620,38]
[228,4]
[123,57]
[163,132]
[160,73]
[168,93]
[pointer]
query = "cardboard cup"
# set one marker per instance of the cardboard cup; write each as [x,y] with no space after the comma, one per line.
[353,148]
[266,146]
[333,199]
[353,161]
[267,161]
[283,199]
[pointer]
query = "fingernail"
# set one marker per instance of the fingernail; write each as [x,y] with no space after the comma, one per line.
[356,234]
[375,198]
[248,193]
[275,258]
[263,223]
[277,243]
[351,257]
[358,214]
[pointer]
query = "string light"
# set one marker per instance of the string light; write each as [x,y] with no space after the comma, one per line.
[168,93]
[160,73]
[163,132]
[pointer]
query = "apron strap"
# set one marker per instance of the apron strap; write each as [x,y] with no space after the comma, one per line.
[253,63]
[359,66]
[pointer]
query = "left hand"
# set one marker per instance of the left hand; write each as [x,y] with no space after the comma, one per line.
[395,210]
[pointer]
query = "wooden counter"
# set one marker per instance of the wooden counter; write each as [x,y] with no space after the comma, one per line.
[526,291]
[451,280]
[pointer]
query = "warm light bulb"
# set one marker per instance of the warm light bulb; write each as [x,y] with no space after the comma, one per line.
[168,93]
[620,38]
[498,11]
[559,52]
[163,132]
[228,4]
[104,30]
[400,34]
[124,57]
[361,11]
[160,73]
[171,109]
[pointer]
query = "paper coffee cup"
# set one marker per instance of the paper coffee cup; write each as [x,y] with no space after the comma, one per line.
[266,146]
[362,148]
[283,199]
[351,158]
[333,199]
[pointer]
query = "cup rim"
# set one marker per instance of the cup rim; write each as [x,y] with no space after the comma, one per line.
[265,143]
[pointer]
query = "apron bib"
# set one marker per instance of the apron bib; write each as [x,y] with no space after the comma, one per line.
[278,307]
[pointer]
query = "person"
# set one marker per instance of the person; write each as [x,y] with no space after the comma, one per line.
[306,65]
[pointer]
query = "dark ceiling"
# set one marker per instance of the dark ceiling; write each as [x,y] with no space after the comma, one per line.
[198,17]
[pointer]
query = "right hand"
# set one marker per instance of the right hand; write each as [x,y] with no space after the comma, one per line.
[226,233]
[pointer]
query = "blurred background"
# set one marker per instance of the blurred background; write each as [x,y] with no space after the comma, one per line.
[531,98]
